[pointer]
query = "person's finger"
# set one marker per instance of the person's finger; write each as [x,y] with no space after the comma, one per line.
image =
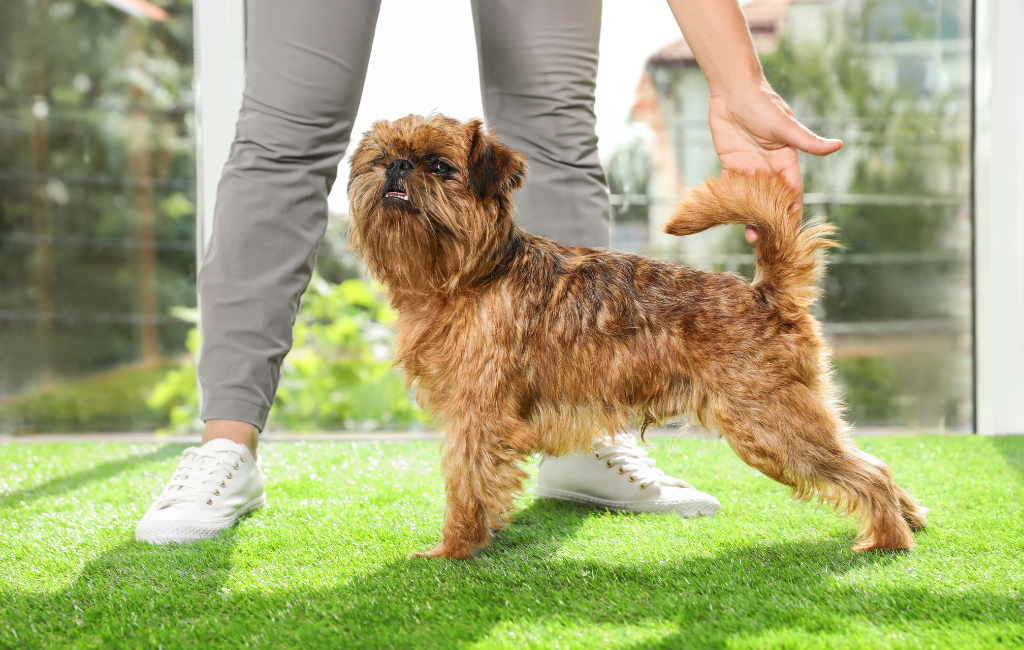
[797,135]
[791,173]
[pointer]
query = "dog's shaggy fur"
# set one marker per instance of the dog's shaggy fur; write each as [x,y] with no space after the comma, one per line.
[519,344]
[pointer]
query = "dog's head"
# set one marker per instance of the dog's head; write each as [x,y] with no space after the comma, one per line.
[431,201]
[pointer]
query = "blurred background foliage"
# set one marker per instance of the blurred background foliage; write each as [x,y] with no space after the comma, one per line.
[97,241]
[337,376]
[97,217]
[903,270]
[892,79]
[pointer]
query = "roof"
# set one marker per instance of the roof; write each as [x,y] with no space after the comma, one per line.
[766,15]
[672,54]
[139,9]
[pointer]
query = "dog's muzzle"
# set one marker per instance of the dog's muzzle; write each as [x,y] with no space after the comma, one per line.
[395,174]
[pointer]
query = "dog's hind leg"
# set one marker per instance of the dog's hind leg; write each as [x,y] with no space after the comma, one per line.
[796,439]
[482,462]
[913,512]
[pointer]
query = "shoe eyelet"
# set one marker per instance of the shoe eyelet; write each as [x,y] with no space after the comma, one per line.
[644,487]
[608,462]
[230,475]
[236,466]
[223,484]
[209,502]
[217,493]
[597,456]
[622,471]
[632,479]
[243,458]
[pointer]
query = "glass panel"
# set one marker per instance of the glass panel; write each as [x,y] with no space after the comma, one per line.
[97,196]
[892,78]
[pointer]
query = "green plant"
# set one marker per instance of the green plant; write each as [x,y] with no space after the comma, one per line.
[176,394]
[338,374]
[115,400]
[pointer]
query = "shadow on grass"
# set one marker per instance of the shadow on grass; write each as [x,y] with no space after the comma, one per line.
[136,594]
[75,480]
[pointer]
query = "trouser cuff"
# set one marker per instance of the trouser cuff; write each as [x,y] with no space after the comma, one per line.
[235,409]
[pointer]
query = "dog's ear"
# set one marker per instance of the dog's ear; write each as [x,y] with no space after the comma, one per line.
[494,169]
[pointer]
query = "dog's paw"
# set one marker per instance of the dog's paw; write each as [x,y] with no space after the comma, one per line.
[871,545]
[916,518]
[445,551]
[417,554]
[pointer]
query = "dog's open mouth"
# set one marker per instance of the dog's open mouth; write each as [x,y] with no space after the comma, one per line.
[395,194]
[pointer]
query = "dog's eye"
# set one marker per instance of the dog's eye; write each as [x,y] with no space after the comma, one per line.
[441,168]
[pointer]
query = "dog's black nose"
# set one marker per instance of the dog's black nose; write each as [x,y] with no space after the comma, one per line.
[399,167]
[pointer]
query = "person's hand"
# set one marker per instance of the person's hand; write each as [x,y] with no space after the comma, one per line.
[754,129]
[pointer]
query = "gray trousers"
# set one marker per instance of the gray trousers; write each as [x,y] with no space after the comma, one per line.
[305,65]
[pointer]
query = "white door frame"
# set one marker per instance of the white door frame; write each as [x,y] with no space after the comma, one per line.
[219,80]
[999,216]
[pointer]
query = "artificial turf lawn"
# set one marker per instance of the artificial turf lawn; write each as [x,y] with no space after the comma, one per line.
[324,564]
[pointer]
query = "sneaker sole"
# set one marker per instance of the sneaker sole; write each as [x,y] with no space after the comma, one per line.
[183,532]
[697,507]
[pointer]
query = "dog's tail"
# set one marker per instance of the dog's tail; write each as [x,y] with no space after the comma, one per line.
[790,259]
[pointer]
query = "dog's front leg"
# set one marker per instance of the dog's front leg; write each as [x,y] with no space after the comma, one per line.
[482,465]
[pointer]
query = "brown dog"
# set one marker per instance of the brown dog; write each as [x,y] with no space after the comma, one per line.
[518,344]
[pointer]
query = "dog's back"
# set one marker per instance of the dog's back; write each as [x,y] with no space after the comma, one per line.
[599,336]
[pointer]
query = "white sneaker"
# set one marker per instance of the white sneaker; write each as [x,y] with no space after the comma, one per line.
[620,476]
[213,487]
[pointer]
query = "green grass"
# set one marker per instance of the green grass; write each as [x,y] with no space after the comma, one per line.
[324,565]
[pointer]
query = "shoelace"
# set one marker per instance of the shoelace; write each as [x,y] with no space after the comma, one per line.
[200,476]
[632,459]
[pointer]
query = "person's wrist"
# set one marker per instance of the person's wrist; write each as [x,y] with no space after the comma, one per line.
[745,79]
[739,87]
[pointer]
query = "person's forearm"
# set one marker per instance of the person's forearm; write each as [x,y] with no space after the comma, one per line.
[719,38]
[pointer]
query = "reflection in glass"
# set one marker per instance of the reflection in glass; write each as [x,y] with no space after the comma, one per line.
[892,78]
[97,197]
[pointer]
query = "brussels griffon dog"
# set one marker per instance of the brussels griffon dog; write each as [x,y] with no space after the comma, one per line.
[518,344]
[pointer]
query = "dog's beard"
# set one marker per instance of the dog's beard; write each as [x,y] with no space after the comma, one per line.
[428,242]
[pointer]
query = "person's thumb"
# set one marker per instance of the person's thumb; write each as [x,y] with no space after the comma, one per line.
[799,136]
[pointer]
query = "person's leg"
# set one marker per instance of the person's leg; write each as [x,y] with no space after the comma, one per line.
[305,65]
[538,74]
